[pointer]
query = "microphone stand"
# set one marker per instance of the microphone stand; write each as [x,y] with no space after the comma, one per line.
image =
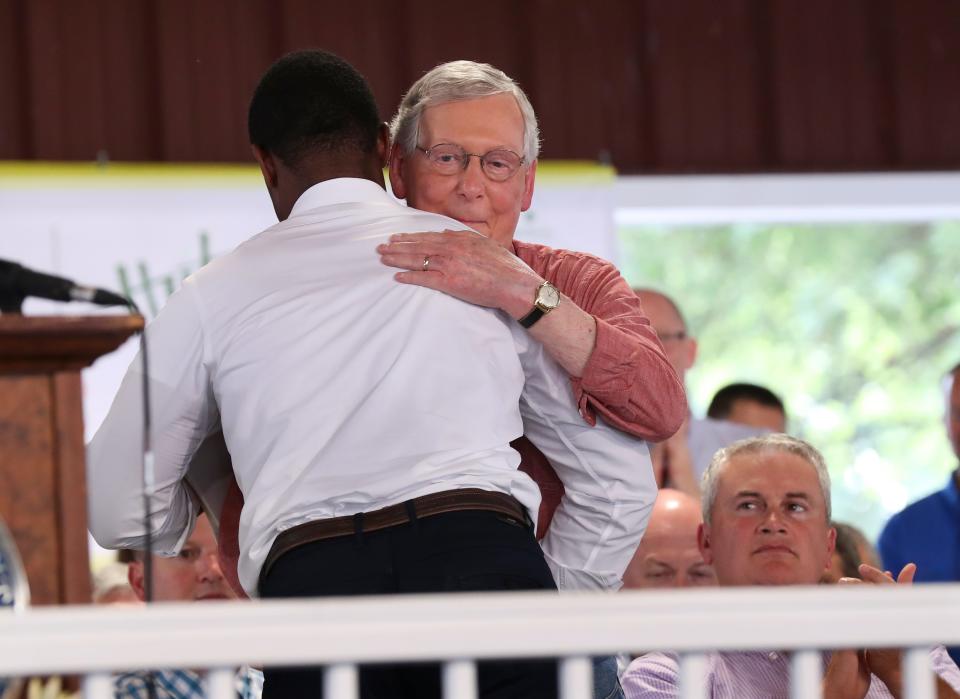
[149,484]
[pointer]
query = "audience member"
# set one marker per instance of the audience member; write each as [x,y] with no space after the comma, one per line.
[852,549]
[750,405]
[766,521]
[680,461]
[668,555]
[927,532]
[193,575]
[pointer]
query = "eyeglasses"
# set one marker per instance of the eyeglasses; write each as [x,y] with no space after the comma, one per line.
[449,159]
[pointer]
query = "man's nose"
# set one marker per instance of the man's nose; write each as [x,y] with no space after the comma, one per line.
[472,179]
[773,523]
[208,567]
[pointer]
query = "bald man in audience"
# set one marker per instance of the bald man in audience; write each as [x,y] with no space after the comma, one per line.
[680,461]
[668,555]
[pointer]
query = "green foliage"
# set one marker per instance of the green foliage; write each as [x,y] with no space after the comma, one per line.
[852,324]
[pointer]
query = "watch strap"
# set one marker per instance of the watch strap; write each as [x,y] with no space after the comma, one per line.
[532,317]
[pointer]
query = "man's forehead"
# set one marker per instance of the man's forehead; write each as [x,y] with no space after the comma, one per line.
[661,312]
[202,533]
[674,557]
[494,118]
[770,473]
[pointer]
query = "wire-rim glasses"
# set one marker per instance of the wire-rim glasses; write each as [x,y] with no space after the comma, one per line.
[498,164]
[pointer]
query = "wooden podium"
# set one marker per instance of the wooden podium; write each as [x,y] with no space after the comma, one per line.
[43,493]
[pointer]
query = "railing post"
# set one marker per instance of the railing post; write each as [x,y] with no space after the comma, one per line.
[98,686]
[806,667]
[693,670]
[220,683]
[460,679]
[576,678]
[918,680]
[341,681]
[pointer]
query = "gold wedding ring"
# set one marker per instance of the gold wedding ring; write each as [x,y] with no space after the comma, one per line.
[426,263]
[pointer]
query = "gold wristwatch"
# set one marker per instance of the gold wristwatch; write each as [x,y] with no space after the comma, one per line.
[546,300]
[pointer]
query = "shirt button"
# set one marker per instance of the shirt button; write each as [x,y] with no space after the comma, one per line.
[773,655]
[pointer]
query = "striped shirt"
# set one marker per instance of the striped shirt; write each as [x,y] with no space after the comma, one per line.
[746,675]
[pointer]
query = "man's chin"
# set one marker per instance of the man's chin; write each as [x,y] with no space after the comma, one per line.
[781,574]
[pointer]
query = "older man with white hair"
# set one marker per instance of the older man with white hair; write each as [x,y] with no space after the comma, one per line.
[766,521]
[465,144]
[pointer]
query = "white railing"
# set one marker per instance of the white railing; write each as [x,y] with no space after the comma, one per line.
[460,629]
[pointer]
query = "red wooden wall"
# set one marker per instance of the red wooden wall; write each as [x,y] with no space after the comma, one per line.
[650,85]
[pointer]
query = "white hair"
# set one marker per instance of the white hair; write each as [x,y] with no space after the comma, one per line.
[761,445]
[457,81]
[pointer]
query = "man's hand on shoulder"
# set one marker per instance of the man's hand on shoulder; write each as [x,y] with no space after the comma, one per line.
[465,265]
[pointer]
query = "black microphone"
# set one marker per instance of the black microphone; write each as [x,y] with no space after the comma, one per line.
[17,283]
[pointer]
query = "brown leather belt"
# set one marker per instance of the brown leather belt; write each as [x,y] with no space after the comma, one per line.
[417,508]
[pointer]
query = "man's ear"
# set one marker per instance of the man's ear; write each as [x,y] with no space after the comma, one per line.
[528,179]
[268,166]
[397,164]
[703,543]
[691,358]
[135,578]
[383,145]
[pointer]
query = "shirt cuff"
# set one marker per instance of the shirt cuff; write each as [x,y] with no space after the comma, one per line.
[610,372]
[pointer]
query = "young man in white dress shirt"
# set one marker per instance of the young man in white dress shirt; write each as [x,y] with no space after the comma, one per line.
[368,422]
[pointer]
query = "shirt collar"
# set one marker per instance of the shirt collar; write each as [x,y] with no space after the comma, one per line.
[952,491]
[339,191]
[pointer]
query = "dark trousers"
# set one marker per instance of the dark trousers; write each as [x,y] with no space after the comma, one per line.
[467,551]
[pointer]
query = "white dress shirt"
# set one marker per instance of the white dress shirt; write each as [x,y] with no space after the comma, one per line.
[338,390]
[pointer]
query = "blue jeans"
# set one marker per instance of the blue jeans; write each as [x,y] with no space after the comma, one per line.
[606,684]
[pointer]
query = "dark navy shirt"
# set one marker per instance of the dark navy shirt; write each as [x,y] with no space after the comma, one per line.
[927,533]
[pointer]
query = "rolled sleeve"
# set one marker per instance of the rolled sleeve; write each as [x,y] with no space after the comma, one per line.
[628,379]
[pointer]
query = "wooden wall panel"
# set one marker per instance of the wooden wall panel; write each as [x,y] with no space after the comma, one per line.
[43,60]
[13,82]
[204,91]
[368,35]
[492,32]
[590,101]
[650,85]
[705,84]
[82,88]
[927,44]
[827,86]
[131,103]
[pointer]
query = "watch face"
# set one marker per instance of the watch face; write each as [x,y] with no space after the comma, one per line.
[14,596]
[549,296]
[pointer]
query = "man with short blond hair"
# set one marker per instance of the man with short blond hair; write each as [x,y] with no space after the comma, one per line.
[193,575]
[766,521]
